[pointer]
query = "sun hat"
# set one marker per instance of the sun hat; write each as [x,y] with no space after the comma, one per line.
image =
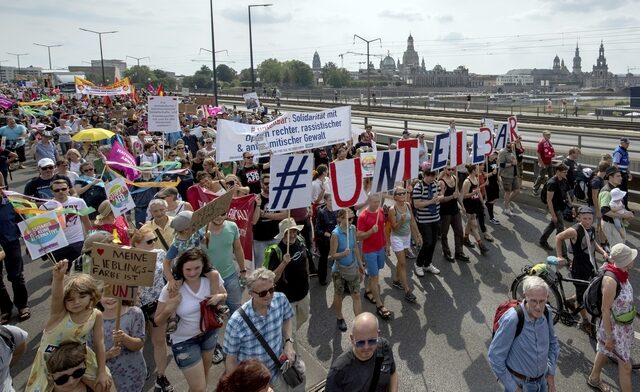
[622,255]
[617,194]
[285,225]
[44,162]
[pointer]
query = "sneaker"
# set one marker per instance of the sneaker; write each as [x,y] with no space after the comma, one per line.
[342,325]
[432,269]
[545,245]
[420,271]
[449,257]
[462,257]
[218,355]
[410,297]
[468,243]
[162,384]
[397,284]
[494,221]
[507,212]
[536,192]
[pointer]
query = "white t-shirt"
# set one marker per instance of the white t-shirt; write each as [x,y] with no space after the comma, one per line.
[19,336]
[64,134]
[73,230]
[189,308]
[315,189]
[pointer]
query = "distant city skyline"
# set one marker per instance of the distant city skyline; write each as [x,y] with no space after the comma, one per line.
[491,39]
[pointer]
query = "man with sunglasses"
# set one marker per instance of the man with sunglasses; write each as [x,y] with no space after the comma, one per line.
[357,369]
[76,227]
[271,314]
[40,186]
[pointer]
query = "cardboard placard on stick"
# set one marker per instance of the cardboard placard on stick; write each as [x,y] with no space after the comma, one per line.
[120,291]
[188,108]
[116,265]
[207,213]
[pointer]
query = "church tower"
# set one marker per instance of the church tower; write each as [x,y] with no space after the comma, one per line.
[577,62]
[410,59]
[556,64]
[316,65]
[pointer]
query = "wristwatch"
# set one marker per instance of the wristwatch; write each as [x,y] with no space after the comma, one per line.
[289,340]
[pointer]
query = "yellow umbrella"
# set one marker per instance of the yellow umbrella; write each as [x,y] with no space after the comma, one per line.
[92,135]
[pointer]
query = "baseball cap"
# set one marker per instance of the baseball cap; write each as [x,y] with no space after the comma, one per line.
[405,132]
[182,221]
[624,140]
[44,162]
[622,255]
[585,210]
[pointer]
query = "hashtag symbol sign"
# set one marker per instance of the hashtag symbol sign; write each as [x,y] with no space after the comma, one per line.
[288,180]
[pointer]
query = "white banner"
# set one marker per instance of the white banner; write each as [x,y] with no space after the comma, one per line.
[291,132]
[163,114]
[43,234]
[290,185]
[346,183]
[83,86]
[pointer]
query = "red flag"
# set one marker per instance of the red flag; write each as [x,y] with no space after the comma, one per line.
[241,212]
[160,91]
[106,100]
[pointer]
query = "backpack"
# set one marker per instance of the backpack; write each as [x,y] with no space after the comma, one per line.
[582,188]
[504,307]
[543,193]
[275,248]
[592,298]
[8,338]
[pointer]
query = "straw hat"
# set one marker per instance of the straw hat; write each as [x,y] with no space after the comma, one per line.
[285,225]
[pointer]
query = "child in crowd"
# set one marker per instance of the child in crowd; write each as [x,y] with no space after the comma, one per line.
[66,366]
[616,205]
[185,238]
[73,318]
[124,346]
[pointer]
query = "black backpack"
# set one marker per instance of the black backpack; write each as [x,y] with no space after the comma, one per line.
[582,189]
[592,298]
[543,192]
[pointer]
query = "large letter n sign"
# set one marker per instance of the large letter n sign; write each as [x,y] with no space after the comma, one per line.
[290,185]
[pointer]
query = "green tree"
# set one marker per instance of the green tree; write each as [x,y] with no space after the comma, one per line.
[270,71]
[334,76]
[245,75]
[168,81]
[297,74]
[202,78]
[225,73]
[140,75]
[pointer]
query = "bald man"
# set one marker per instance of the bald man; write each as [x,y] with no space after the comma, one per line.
[370,361]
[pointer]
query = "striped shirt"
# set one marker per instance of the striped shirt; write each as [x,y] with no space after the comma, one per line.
[422,191]
[240,342]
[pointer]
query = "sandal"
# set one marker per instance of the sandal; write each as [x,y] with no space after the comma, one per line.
[25,314]
[369,296]
[602,387]
[4,318]
[383,312]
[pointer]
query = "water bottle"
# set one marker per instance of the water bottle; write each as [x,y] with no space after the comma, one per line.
[552,260]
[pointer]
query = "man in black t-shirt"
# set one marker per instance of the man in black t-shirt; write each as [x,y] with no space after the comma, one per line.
[39,186]
[265,223]
[291,267]
[354,370]
[558,200]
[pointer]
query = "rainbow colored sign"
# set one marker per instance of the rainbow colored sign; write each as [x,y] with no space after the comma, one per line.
[42,234]
[119,196]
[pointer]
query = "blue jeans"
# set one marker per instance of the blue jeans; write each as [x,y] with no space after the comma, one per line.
[234,291]
[189,352]
[532,386]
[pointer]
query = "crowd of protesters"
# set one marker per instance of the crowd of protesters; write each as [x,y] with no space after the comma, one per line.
[348,247]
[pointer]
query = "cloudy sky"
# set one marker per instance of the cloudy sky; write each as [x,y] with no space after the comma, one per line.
[489,36]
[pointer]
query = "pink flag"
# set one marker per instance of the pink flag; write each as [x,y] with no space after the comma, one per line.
[6,103]
[151,89]
[120,154]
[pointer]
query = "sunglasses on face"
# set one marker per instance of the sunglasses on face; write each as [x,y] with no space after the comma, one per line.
[47,168]
[78,373]
[264,293]
[151,241]
[401,193]
[367,342]
[87,170]
[251,157]
[60,190]
[180,149]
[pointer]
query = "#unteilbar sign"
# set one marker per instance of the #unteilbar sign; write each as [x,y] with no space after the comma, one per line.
[127,267]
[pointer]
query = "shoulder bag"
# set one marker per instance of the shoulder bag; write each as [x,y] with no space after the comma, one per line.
[210,318]
[294,375]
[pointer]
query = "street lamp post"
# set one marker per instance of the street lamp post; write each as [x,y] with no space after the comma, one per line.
[213,58]
[138,60]
[253,78]
[101,56]
[18,57]
[368,70]
[48,50]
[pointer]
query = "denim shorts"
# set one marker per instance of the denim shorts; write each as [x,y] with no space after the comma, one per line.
[189,352]
[374,261]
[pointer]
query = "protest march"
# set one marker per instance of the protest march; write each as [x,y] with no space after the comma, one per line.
[202,228]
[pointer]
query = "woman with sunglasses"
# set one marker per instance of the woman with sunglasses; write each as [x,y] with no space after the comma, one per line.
[90,188]
[182,151]
[450,215]
[403,227]
[192,348]
[145,239]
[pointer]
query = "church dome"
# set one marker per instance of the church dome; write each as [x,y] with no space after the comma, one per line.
[388,62]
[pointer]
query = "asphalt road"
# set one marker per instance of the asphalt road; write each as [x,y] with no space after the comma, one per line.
[440,344]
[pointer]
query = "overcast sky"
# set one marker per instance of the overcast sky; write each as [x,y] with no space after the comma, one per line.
[488,37]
